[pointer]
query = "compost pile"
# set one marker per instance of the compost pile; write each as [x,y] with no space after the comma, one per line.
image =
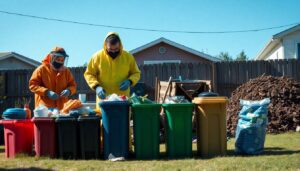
[284,109]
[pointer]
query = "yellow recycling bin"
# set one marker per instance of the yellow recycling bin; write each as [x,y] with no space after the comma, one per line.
[211,125]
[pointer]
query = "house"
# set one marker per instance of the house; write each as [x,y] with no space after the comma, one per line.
[284,45]
[163,50]
[12,61]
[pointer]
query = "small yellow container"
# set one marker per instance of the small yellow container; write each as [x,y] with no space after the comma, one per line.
[211,125]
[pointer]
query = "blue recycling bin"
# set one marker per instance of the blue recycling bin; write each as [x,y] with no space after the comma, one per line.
[115,118]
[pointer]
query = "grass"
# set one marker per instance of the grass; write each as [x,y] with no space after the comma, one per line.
[282,152]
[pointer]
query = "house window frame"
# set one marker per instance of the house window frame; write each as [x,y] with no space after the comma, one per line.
[162,50]
[150,62]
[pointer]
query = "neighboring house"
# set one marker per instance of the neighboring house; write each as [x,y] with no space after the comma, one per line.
[284,45]
[163,50]
[12,60]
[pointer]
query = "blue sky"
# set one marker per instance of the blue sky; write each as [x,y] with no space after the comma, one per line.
[34,38]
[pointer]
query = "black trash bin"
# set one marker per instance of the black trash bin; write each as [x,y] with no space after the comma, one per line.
[67,137]
[138,89]
[89,135]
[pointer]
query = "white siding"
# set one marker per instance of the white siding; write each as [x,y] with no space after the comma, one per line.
[290,45]
[276,53]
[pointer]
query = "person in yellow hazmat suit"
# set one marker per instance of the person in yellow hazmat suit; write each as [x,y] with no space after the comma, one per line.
[112,69]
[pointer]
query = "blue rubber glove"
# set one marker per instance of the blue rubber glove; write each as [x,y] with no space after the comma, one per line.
[100,92]
[125,85]
[65,93]
[52,95]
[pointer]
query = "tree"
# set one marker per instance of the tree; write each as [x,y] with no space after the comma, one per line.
[225,56]
[84,65]
[241,56]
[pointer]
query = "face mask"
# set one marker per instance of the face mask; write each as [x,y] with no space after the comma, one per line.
[113,54]
[57,65]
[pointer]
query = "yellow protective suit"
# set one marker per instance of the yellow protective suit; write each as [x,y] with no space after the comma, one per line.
[109,73]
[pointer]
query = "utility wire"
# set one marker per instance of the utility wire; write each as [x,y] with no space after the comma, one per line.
[145,29]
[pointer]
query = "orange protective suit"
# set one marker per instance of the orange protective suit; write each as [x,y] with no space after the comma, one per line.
[44,78]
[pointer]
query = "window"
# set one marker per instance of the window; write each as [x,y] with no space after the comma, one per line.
[162,50]
[162,61]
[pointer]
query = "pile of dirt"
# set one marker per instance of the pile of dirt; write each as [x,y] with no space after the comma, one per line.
[284,110]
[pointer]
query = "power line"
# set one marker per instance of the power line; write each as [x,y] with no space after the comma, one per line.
[146,29]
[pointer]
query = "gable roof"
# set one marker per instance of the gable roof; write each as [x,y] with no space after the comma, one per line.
[286,32]
[5,55]
[275,40]
[177,45]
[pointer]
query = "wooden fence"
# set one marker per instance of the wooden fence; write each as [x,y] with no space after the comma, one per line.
[225,76]
[229,75]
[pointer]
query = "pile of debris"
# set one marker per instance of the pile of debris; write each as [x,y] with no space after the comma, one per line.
[284,109]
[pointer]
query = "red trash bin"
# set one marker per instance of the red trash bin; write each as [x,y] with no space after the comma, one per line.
[44,137]
[18,136]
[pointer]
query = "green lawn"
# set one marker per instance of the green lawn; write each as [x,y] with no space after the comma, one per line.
[282,152]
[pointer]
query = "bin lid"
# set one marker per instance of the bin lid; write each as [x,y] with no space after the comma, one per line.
[147,105]
[14,113]
[177,104]
[208,94]
[42,119]
[89,118]
[14,110]
[111,103]
[66,118]
[206,100]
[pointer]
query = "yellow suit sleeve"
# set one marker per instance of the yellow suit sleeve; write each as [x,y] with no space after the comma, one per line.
[91,72]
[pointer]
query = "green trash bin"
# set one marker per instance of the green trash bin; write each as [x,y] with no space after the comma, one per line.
[146,126]
[179,129]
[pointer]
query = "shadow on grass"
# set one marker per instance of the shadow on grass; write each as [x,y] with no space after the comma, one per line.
[30,168]
[163,156]
[268,151]
[279,151]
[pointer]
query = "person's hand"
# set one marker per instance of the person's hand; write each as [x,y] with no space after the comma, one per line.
[100,92]
[65,93]
[52,95]
[125,85]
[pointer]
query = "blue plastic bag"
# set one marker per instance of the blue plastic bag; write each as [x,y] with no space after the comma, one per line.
[251,129]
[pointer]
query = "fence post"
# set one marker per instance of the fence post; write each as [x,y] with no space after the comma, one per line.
[214,76]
